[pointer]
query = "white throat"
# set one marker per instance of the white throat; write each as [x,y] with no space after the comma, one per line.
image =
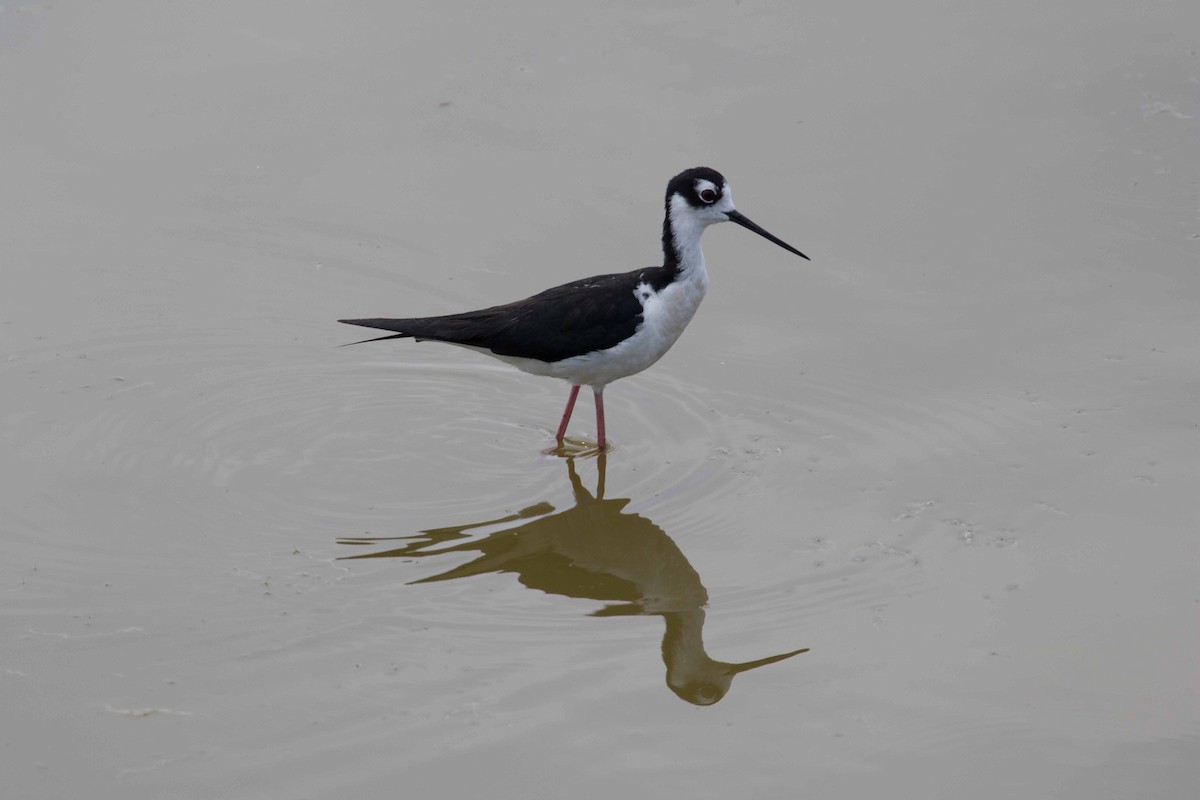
[686,229]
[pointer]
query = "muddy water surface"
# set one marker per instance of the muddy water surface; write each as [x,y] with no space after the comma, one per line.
[918,518]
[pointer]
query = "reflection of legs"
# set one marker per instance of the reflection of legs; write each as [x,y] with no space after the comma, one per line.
[562,426]
[580,493]
[599,394]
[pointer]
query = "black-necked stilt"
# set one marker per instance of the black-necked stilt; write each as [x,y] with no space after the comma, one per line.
[595,330]
[595,550]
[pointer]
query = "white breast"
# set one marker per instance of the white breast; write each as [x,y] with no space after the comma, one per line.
[665,314]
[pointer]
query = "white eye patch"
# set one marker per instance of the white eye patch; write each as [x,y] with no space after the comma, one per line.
[707,191]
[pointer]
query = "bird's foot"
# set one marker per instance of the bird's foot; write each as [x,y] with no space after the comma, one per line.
[568,447]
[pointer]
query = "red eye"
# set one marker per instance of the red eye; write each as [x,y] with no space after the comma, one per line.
[708,195]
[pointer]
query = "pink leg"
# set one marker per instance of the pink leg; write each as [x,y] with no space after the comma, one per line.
[599,394]
[562,426]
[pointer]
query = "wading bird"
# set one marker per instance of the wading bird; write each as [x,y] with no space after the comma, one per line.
[593,331]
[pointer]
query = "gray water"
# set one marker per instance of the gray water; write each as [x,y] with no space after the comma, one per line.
[955,457]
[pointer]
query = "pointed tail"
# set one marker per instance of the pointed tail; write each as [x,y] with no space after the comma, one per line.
[384,324]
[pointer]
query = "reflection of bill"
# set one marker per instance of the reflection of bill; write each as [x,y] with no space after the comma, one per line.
[595,551]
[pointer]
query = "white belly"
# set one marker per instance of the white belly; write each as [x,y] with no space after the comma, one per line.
[664,316]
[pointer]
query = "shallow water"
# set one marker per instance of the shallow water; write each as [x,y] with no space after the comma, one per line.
[954,458]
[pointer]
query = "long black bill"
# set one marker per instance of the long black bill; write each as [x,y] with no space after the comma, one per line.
[733,669]
[744,221]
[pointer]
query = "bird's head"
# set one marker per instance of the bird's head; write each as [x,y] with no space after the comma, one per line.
[699,197]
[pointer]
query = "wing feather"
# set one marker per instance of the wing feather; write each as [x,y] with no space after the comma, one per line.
[568,320]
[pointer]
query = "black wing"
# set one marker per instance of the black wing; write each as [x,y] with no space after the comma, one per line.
[569,320]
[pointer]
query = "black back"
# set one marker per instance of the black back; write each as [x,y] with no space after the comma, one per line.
[569,320]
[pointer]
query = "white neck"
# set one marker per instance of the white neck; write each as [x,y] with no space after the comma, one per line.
[686,229]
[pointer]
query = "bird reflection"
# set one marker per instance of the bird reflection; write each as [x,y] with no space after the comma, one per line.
[596,551]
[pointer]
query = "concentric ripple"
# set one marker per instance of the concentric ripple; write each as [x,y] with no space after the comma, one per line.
[308,444]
